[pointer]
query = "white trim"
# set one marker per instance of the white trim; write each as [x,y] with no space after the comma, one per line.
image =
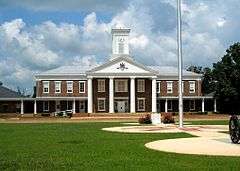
[60,87]
[68,87]
[144,104]
[43,90]
[84,86]
[104,99]
[104,85]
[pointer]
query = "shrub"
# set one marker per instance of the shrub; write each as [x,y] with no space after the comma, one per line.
[146,119]
[167,118]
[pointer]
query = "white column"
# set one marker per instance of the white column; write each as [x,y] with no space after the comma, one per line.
[35,107]
[111,95]
[203,110]
[132,95]
[166,106]
[90,96]
[215,105]
[22,107]
[74,107]
[154,95]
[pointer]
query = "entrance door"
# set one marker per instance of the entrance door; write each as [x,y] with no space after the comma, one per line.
[82,106]
[121,106]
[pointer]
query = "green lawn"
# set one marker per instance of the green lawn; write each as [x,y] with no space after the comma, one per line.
[84,146]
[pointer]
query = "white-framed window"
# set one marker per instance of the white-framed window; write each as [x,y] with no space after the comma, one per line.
[169,105]
[192,104]
[158,86]
[121,48]
[69,105]
[101,85]
[81,105]
[45,86]
[101,104]
[121,85]
[140,85]
[45,106]
[58,86]
[141,104]
[81,86]
[192,86]
[69,86]
[169,87]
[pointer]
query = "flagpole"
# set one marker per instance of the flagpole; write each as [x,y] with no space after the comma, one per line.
[179,35]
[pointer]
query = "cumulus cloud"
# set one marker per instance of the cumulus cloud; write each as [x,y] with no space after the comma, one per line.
[209,27]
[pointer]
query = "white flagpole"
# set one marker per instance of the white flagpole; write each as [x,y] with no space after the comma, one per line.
[180,95]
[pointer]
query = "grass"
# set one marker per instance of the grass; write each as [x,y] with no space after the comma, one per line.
[84,146]
[210,122]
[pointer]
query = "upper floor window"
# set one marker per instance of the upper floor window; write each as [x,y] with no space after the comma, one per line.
[101,85]
[141,85]
[69,86]
[81,86]
[57,86]
[158,86]
[121,85]
[192,86]
[45,86]
[169,86]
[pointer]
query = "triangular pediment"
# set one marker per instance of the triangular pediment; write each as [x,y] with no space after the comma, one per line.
[122,65]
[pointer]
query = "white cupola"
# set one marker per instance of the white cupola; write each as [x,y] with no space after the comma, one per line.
[120,42]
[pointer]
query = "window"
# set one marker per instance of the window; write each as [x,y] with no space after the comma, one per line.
[158,86]
[169,86]
[141,85]
[121,48]
[45,86]
[192,104]
[45,106]
[69,86]
[81,86]
[82,105]
[141,104]
[191,86]
[169,106]
[57,86]
[101,104]
[69,105]
[121,85]
[101,85]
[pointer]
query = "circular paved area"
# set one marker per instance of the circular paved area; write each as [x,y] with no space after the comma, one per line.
[209,141]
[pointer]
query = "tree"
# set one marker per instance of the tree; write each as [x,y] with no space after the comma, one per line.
[226,75]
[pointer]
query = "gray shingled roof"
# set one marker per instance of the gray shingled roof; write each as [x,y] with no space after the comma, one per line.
[8,93]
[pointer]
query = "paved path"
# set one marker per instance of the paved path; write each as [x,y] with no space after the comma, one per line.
[209,140]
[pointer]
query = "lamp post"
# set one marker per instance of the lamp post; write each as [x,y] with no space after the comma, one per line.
[179,35]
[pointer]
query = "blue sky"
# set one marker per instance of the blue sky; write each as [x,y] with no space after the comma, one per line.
[36,36]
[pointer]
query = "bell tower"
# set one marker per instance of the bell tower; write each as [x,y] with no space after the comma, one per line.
[120,42]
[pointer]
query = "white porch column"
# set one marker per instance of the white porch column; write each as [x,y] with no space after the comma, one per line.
[203,110]
[90,96]
[154,95]
[215,105]
[132,95]
[74,107]
[111,95]
[35,107]
[166,106]
[22,107]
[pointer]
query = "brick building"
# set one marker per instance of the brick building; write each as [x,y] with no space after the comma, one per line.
[121,85]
